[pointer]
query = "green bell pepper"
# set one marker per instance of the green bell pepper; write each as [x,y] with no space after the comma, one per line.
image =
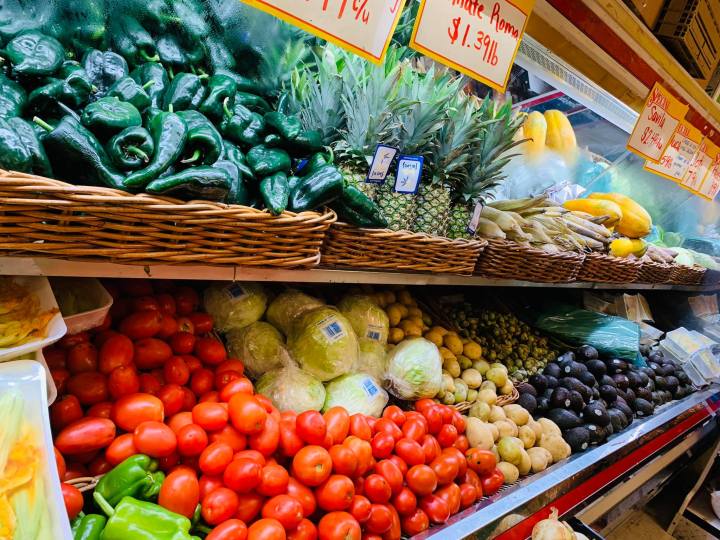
[220,96]
[133,41]
[14,155]
[76,155]
[203,182]
[137,476]
[238,193]
[252,102]
[89,527]
[169,133]
[139,520]
[12,97]
[204,144]
[219,56]
[104,69]
[34,54]
[126,89]
[171,52]
[233,154]
[275,192]
[109,115]
[186,91]
[266,161]
[39,162]
[317,189]
[131,149]
[358,209]
[288,127]
[155,73]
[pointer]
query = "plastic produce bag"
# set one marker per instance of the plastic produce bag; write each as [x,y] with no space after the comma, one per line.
[613,337]
[372,358]
[285,309]
[414,370]
[292,389]
[367,318]
[261,347]
[235,305]
[357,393]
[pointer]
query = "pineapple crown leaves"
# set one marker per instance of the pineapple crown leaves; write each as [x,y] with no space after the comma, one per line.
[451,151]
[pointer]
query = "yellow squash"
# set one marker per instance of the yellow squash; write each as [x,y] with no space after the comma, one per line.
[623,247]
[560,134]
[635,221]
[596,207]
[535,128]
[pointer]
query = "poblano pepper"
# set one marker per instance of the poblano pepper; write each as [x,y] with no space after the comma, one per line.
[317,189]
[316,161]
[306,142]
[272,140]
[243,83]
[155,73]
[288,127]
[132,40]
[252,102]
[76,155]
[104,69]
[193,26]
[238,193]
[77,81]
[16,19]
[34,54]
[137,476]
[89,527]
[73,90]
[202,182]
[131,149]
[233,154]
[109,115]
[218,55]
[39,162]
[169,133]
[140,520]
[83,24]
[266,161]
[12,97]
[220,96]
[275,192]
[126,89]
[246,130]
[356,208]
[14,155]
[186,91]
[171,52]
[156,15]
[204,144]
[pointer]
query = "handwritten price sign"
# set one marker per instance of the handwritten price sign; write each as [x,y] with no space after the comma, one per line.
[711,185]
[478,38]
[656,124]
[679,154]
[700,165]
[361,26]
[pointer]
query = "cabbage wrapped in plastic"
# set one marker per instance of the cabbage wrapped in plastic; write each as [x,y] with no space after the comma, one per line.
[285,309]
[323,343]
[235,305]
[367,318]
[414,370]
[292,389]
[261,347]
[357,393]
[371,358]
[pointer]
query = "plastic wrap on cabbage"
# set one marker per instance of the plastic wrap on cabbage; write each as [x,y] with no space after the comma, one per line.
[371,358]
[414,370]
[235,305]
[292,389]
[287,307]
[358,393]
[367,318]
[323,343]
[261,347]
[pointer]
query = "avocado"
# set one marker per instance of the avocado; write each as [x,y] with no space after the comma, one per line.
[526,388]
[588,379]
[656,356]
[568,356]
[571,383]
[630,395]
[608,393]
[607,380]
[654,366]
[548,393]
[527,402]
[573,369]
[599,434]
[595,393]
[660,383]
[621,381]
[597,368]
[644,393]
[553,370]
[657,397]
[618,419]
[643,407]
[543,405]
[651,385]
[576,401]
[564,419]
[584,391]
[625,408]
[634,379]
[595,413]
[539,382]
[672,383]
[587,352]
[666,370]
[649,372]
[645,350]
[578,438]
[682,376]
[561,398]
[615,365]
[644,379]
[565,363]
[552,382]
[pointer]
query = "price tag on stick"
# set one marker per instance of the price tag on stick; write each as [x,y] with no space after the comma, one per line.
[381,164]
[409,172]
[476,37]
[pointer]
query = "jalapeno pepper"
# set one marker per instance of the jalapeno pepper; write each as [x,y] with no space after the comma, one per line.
[131,149]
[109,115]
[140,520]
[104,69]
[155,73]
[203,145]
[317,189]
[204,182]
[126,89]
[275,191]
[34,54]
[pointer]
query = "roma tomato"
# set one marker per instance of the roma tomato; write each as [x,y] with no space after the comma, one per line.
[360,508]
[311,427]
[382,445]
[182,342]
[73,500]
[312,465]
[173,398]
[359,427]
[377,489]
[266,529]
[208,484]
[215,458]
[186,300]
[90,387]
[203,322]
[71,340]
[421,479]
[436,508]
[143,303]
[383,425]
[395,530]
[286,509]
[166,303]
[231,436]
[246,414]
[304,495]
[99,466]
[155,439]
[252,455]
[492,482]
[202,381]
[232,529]
[210,351]
[191,440]
[142,324]
[231,364]
[468,495]
[434,417]
[210,416]
[242,475]
[209,397]
[451,495]
[400,464]
[415,523]
[149,384]
[447,436]
[168,326]
[335,494]
[131,411]
[60,377]
[189,399]
[459,459]
[391,473]
[445,469]
[339,526]
[151,353]
[179,420]
[480,461]
[290,441]
[82,357]
[364,452]
[431,448]
[176,371]
[380,519]
[120,449]
[223,378]
[85,435]
[116,351]
[236,386]
[461,443]
[65,411]
[55,357]
[410,451]
[344,460]
[337,421]
[60,463]
[123,381]
[394,414]
[100,410]
[266,442]
[273,480]
[249,507]
[414,429]
[305,530]
[219,505]
[180,492]
[459,422]
[405,502]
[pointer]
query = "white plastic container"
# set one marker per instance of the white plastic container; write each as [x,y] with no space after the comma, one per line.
[56,327]
[28,378]
[98,296]
[37,356]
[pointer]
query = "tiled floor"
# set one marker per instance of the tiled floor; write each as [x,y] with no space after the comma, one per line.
[640,526]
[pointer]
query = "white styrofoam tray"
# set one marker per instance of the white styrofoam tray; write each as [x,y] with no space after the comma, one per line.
[99,296]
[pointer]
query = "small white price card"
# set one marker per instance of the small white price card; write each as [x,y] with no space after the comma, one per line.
[656,124]
[475,219]
[711,185]
[679,154]
[361,26]
[478,38]
[381,164]
[409,172]
[700,165]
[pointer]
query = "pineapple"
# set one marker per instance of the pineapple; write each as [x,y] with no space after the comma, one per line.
[497,126]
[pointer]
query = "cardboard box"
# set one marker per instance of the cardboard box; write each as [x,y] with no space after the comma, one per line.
[647,10]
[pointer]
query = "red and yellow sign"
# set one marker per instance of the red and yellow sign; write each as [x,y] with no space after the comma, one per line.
[364,27]
[475,37]
[679,154]
[700,166]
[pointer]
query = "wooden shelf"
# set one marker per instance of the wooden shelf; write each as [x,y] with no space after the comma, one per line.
[700,512]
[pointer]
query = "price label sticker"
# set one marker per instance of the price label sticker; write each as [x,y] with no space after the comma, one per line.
[679,154]
[475,219]
[656,124]
[409,172]
[363,27]
[700,166]
[478,38]
[380,165]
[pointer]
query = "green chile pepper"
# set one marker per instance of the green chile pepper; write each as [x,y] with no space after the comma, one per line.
[252,102]
[358,209]
[12,97]
[317,189]
[109,115]
[266,161]
[204,143]
[141,520]
[171,52]
[155,73]
[203,182]
[104,69]
[39,162]
[275,192]
[90,527]
[131,149]
[182,93]
[133,41]
[220,96]
[233,154]
[288,127]
[34,54]
[169,132]
[126,89]
[238,193]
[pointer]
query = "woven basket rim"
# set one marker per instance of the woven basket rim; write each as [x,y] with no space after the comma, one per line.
[524,248]
[389,234]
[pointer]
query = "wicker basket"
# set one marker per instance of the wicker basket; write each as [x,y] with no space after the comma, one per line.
[654,272]
[52,218]
[686,275]
[383,249]
[85,483]
[606,269]
[512,397]
[509,260]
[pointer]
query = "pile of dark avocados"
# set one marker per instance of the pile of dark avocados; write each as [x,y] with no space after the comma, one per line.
[590,398]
